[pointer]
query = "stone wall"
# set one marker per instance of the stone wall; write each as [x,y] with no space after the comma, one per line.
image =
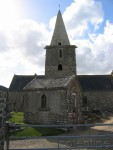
[68,61]
[3,102]
[34,113]
[102,100]
[2,131]
[60,104]
[15,101]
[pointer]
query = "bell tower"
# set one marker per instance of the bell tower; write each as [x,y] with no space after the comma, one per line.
[60,55]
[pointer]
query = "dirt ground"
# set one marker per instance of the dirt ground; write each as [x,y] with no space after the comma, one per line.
[51,143]
[106,128]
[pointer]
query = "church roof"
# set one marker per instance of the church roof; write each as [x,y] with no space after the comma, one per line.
[60,34]
[48,83]
[20,81]
[87,82]
[96,82]
[2,88]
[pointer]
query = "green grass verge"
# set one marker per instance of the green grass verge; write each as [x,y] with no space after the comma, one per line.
[18,117]
[29,131]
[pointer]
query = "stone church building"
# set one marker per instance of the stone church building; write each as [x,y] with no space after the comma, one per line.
[60,94]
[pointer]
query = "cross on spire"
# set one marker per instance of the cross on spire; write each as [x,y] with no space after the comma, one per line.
[59,6]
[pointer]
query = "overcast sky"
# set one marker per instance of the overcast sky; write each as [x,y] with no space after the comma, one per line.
[26,27]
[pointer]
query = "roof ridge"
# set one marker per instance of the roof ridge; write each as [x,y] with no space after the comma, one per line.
[23,75]
[96,75]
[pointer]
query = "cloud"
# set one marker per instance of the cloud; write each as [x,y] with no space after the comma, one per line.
[3,42]
[31,38]
[24,51]
[80,14]
[96,53]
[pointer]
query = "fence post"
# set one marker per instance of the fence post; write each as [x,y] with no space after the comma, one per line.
[7,143]
[58,143]
[7,136]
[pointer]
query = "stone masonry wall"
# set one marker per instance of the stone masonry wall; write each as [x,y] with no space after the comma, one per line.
[102,100]
[68,61]
[32,106]
[15,101]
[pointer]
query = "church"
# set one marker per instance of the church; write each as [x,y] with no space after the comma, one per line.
[59,94]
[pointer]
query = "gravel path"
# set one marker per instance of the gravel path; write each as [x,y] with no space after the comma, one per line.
[33,143]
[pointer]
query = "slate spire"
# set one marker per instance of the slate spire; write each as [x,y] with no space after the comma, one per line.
[60,36]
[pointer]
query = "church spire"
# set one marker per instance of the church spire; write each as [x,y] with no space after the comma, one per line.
[60,36]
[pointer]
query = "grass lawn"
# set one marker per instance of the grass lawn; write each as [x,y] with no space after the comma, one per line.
[30,131]
[17,117]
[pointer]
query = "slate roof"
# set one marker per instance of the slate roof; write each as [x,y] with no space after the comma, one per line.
[3,88]
[20,81]
[48,83]
[96,82]
[87,82]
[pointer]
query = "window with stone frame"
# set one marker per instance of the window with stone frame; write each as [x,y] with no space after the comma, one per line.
[43,101]
[60,67]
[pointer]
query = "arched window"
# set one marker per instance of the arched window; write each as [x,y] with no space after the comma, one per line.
[43,101]
[60,53]
[59,67]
